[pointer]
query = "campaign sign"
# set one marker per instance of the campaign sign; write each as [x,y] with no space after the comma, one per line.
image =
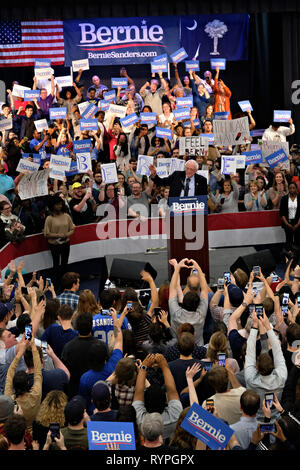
[176,165]
[129,120]
[109,173]
[88,124]
[84,162]
[38,63]
[192,65]
[245,105]
[163,132]
[82,64]
[209,137]
[163,58]
[57,174]
[148,118]
[197,123]
[257,132]
[181,113]
[43,73]
[41,125]
[228,165]
[104,105]
[185,101]
[57,113]
[80,146]
[83,106]
[144,161]
[18,90]
[61,162]
[73,169]
[221,115]
[281,116]
[36,157]
[277,157]
[32,95]
[5,124]
[192,205]
[101,433]
[179,55]
[254,156]
[240,161]
[25,165]
[207,428]
[66,80]
[118,110]
[159,67]
[109,95]
[218,63]
[121,82]
[89,111]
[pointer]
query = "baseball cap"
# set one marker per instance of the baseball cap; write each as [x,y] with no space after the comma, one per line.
[6,407]
[5,309]
[74,410]
[76,185]
[236,295]
[100,391]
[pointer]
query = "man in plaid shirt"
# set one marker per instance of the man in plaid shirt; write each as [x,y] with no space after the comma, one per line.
[70,284]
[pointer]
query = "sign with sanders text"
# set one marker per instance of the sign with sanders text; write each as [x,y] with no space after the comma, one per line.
[277,157]
[253,157]
[103,433]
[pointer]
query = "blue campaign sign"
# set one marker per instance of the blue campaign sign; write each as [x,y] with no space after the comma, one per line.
[207,428]
[101,433]
[36,157]
[192,205]
[245,105]
[206,36]
[257,132]
[88,124]
[253,157]
[82,146]
[163,132]
[197,123]
[281,116]
[276,157]
[210,138]
[185,101]
[89,111]
[57,113]
[179,55]
[73,169]
[109,95]
[221,116]
[39,63]
[159,67]
[120,41]
[121,82]
[148,118]
[128,120]
[32,95]
[218,63]
[104,105]
[163,58]
[181,113]
[192,65]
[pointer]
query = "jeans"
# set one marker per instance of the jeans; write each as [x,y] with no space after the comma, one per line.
[60,255]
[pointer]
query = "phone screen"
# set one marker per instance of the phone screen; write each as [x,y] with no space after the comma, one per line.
[48,282]
[267,427]
[256,270]
[259,310]
[284,310]
[54,428]
[222,359]
[221,283]
[129,305]
[207,365]
[285,299]
[269,397]
[28,332]
[227,277]
[156,311]
[298,300]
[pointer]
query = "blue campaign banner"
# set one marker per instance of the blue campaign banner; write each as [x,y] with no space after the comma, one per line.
[245,105]
[257,132]
[121,82]
[148,118]
[82,146]
[206,36]
[109,95]
[221,116]
[181,113]
[32,95]
[193,205]
[185,101]
[277,157]
[159,67]
[104,105]
[57,113]
[120,41]
[253,157]
[88,124]
[207,428]
[73,169]
[218,63]
[179,55]
[281,116]
[90,111]
[38,63]
[163,132]
[101,433]
[192,65]
[128,120]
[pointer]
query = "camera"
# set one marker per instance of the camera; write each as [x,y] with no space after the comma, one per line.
[259,310]
[210,405]
[269,398]
[55,431]
[256,270]
[129,306]
[222,359]
[221,283]
[227,278]
[48,282]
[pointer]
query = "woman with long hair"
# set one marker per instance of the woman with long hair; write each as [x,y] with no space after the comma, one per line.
[87,303]
[209,113]
[255,199]
[227,199]
[278,189]
[122,151]
[51,411]
[218,343]
[166,118]
[222,95]
[58,229]
[181,439]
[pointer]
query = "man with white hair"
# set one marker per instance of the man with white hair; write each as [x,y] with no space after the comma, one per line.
[182,183]
[152,430]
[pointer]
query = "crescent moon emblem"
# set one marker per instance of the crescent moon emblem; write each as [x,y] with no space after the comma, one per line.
[193,27]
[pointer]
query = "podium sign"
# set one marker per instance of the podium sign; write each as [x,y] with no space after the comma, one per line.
[188,232]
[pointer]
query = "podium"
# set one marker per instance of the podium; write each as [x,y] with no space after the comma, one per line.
[187,233]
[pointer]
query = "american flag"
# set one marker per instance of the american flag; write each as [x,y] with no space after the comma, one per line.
[21,42]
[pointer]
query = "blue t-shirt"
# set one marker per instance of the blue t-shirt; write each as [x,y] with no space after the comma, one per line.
[103,326]
[57,337]
[6,186]
[89,378]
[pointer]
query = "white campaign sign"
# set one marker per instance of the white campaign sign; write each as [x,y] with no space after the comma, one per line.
[143,165]
[117,110]
[109,173]
[228,165]
[64,81]
[57,174]
[43,73]
[26,166]
[60,162]
[84,162]
[41,125]
[82,64]
[176,165]
[18,90]
[5,124]
[34,185]
[233,132]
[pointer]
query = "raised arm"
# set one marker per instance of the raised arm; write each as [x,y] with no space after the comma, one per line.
[171,390]
[154,293]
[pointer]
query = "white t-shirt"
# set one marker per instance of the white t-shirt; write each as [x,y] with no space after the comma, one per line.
[292,205]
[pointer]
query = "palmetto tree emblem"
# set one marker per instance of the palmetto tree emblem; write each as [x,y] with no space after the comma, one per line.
[216,30]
